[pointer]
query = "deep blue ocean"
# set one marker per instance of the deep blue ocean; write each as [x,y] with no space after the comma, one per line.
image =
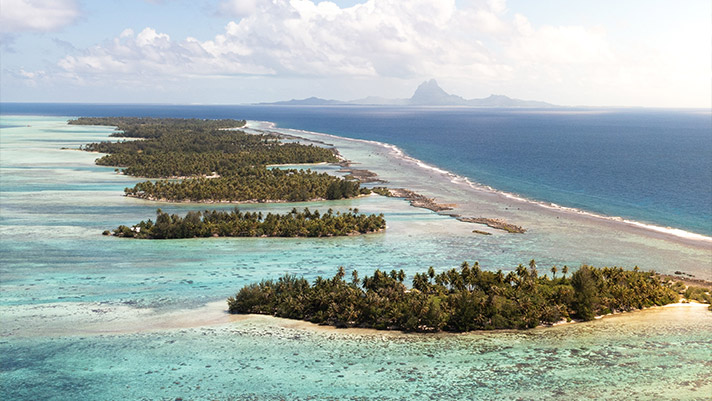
[648,165]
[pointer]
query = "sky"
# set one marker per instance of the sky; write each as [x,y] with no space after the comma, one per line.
[650,53]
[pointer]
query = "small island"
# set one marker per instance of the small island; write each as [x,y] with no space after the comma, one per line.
[215,161]
[253,185]
[239,224]
[460,300]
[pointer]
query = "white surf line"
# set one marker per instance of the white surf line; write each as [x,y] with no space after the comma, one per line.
[398,153]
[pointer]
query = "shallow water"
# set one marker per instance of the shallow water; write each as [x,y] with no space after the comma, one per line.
[83,316]
[647,165]
[553,235]
[650,166]
[664,353]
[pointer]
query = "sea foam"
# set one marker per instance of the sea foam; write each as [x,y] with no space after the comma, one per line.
[398,154]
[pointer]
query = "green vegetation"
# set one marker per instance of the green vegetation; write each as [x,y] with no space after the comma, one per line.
[383,191]
[455,300]
[149,127]
[251,184]
[700,294]
[234,161]
[183,157]
[181,148]
[239,224]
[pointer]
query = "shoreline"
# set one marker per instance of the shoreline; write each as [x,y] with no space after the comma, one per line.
[418,200]
[306,325]
[227,202]
[497,224]
[215,314]
[688,280]
[147,313]
[653,230]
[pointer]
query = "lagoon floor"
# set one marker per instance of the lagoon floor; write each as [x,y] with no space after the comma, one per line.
[84,316]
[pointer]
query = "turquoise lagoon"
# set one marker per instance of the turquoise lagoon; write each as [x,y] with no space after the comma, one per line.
[84,316]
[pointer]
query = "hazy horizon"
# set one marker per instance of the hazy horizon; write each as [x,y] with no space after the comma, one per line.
[635,54]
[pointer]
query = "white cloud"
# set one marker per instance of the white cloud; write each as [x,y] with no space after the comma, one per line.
[238,8]
[558,44]
[497,6]
[30,75]
[36,15]
[475,47]
[388,38]
[149,37]
[149,55]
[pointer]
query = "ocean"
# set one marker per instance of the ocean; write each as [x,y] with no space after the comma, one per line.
[85,316]
[653,166]
[648,165]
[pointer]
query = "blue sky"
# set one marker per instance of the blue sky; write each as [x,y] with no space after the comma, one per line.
[601,53]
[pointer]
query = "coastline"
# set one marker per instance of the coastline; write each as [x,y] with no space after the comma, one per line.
[451,178]
[305,325]
[119,320]
[540,218]
[652,229]
[396,152]
[226,202]
[148,319]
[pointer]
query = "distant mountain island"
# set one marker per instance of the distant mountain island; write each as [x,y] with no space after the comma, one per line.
[429,93]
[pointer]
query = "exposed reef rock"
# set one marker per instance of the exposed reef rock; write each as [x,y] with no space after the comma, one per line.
[417,199]
[493,223]
[363,176]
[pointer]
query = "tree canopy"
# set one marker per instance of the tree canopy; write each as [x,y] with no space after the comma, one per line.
[193,149]
[251,184]
[246,224]
[458,300]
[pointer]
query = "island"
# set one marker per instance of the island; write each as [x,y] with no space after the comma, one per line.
[460,300]
[428,93]
[251,185]
[238,224]
[215,162]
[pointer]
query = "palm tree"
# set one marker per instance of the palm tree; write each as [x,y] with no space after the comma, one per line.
[564,271]
[521,271]
[554,269]
[401,275]
[532,266]
[340,274]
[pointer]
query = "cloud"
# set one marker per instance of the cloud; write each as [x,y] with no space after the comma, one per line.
[386,38]
[151,56]
[477,45]
[36,15]
[238,8]
[31,75]
[558,44]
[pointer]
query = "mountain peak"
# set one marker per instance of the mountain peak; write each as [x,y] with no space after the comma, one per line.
[430,85]
[493,97]
[430,93]
[428,89]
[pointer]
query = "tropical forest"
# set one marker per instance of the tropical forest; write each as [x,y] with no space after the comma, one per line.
[459,300]
[247,224]
[216,161]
